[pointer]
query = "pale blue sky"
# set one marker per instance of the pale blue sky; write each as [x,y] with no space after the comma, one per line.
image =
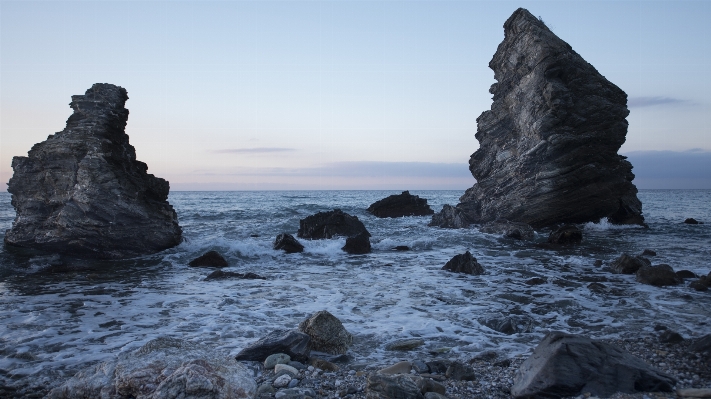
[334,94]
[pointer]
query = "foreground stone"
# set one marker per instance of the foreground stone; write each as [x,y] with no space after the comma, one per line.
[399,205]
[548,147]
[288,243]
[327,333]
[164,368]
[464,263]
[82,192]
[209,259]
[515,230]
[568,365]
[293,343]
[392,387]
[358,245]
[329,224]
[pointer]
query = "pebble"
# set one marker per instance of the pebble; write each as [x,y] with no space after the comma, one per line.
[285,367]
[293,383]
[277,358]
[397,368]
[282,381]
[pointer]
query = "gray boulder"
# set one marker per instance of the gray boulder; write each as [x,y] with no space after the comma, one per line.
[82,192]
[288,243]
[381,386]
[327,333]
[627,264]
[659,275]
[568,365]
[293,343]
[464,263]
[548,147]
[164,368]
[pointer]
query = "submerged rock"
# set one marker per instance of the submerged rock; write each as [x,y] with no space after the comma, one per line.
[288,243]
[293,343]
[209,259]
[659,275]
[567,234]
[450,217]
[515,230]
[568,365]
[222,275]
[330,224]
[464,263]
[327,333]
[163,368]
[548,147]
[358,245]
[627,264]
[399,205]
[82,192]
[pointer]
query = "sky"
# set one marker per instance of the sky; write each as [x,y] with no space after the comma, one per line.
[253,95]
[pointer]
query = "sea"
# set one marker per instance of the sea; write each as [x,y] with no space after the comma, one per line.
[55,324]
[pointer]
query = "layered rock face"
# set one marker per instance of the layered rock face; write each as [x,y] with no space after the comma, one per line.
[82,192]
[548,146]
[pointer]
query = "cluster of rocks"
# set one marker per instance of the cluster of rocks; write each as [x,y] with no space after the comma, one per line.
[658,275]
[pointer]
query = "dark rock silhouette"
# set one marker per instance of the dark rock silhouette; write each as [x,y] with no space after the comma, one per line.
[451,217]
[548,146]
[358,245]
[627,264]
[568,365]
[327,333]
[330,224]
[508,229]
[288,243]
[223,275]
[692,221]
[464,263]
[659,275]
[399,205]
[291,342]
[567,234]
[209,259]
[82,192]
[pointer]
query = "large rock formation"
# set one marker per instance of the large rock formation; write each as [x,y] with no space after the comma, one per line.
[82,191]
[548,146]
[399,205]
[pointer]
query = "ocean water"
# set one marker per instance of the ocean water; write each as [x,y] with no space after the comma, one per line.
[54,324]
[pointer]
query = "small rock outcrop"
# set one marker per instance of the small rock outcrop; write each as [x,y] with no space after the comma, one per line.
[358,245]
[288,243]
[327,333]
[564,235]
[548,147]
[659,275]
[222,275]
[293,343]
[568,365]
[330,224]
[399,205]
[209,259]
[163,368]
[508,229]
[82,192]
[627,264]
[464,263]
[692,221]
[450,217]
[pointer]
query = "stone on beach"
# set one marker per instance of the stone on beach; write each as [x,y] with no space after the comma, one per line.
[382,386]
[568,365]
[464,263]
[330,224]
[327,333]
[405,344]
[291,342]
[548,147]
[82,192]
[399,205]
[288,243]
[209,259]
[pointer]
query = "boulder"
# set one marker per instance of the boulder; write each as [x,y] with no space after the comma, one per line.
[163,368]
[511,324]
[329,224]
[293,343]
[692,221]
[358,245]
[209,259]
[399,205]
[508,229]
[670,337]
[380,386]
[568,365]
[627,264]
[702,344]
[450,217]
[327,333]
[277,358]
[82,192]
[659,275]
[548,147]
[702,284]
[460,372]
[288,243]
[567,234]
[223,275]
[464,263]
[684,274]
[649,252]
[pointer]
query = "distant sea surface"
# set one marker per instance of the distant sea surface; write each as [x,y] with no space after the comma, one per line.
[52,325]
